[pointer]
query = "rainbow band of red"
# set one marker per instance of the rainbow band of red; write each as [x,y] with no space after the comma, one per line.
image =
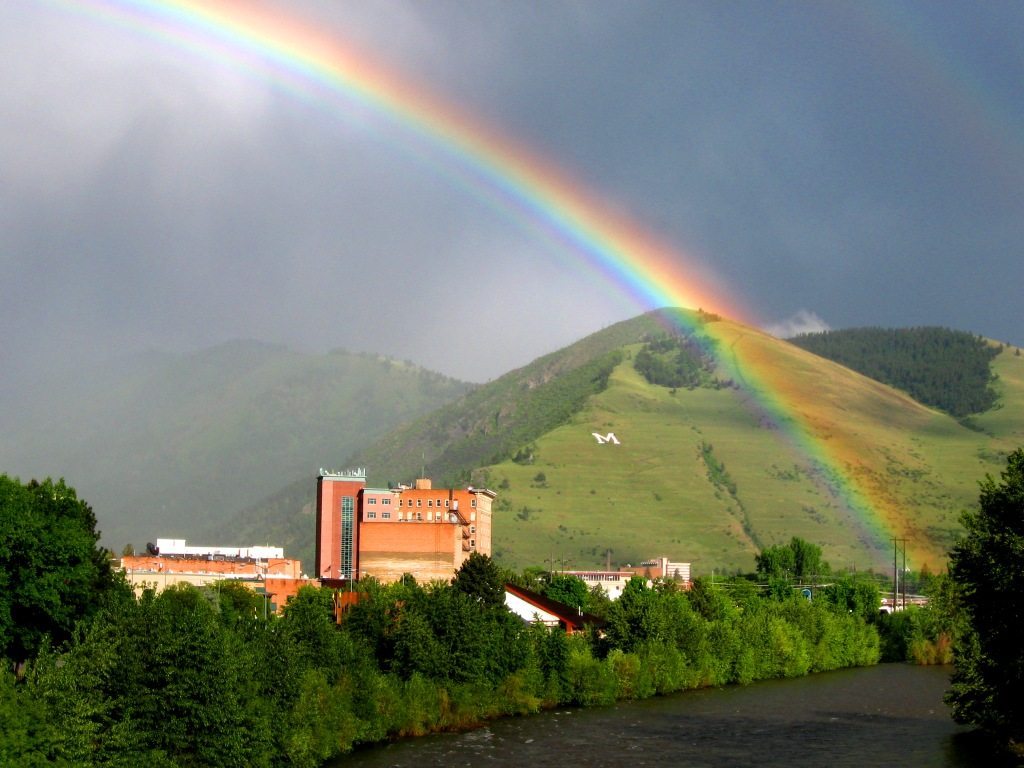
[282,50]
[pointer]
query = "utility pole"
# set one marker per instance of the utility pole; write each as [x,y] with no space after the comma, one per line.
[896,573]
[904,574]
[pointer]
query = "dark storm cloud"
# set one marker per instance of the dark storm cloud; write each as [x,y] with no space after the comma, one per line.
[833,166]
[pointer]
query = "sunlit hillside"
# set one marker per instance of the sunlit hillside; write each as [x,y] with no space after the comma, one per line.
[708,474]
[702,475]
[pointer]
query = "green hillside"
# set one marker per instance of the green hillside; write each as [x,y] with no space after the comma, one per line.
[170,445]
[701,472]
[699,476]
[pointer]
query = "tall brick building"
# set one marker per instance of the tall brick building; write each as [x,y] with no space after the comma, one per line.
[387,532]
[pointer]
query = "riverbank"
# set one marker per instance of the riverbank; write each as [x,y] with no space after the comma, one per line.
[890,714]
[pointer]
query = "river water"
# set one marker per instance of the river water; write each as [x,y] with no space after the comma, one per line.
[889,715]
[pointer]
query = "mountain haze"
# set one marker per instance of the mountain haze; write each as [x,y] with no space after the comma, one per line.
[167,445]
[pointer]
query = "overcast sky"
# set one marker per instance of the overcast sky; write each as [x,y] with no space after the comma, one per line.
[832,164]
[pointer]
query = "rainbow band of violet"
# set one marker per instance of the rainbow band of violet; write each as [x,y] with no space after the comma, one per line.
[300,59]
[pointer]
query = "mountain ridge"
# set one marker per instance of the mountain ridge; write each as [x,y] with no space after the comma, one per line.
[896,449]
[716,474]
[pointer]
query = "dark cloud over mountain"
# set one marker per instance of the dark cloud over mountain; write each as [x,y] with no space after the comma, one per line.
[859,165]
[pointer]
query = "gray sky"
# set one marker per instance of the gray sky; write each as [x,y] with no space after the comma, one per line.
[832,164]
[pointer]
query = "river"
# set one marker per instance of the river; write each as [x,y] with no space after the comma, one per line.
[889,715]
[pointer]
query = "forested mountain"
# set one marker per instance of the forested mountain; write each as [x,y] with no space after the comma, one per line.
[945,369]
[164,444]
[699,474]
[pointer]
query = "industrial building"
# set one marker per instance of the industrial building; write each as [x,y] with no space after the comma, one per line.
[388,532]
[170,561]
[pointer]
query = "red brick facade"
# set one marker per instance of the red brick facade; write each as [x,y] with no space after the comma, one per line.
[421,530]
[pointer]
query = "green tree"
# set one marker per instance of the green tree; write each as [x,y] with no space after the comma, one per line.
[798,561]
[481,578]
[637,617]
[854,594]
[571,590]
[52,572]
[775,562]
[987,565]
[26,730]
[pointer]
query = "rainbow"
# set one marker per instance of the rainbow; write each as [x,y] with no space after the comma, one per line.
[305,61]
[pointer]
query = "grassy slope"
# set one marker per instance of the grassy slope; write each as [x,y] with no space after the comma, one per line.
[653,495]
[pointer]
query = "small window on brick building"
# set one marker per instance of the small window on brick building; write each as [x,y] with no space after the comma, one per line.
[419,515]
[472,503]
[419,502]
[372,515]
[446,503]
[371,500]
[430,502]
[385,501]
[385,515]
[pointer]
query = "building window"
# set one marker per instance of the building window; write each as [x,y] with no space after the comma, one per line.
[371,500]
[419,502]
[385,501]
[472,542]
[348,505]
[371,515]
[385,515]
[430,502]
[446,503]
[472,529]
[472,502]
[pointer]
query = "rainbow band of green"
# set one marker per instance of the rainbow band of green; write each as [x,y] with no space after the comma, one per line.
[303,61]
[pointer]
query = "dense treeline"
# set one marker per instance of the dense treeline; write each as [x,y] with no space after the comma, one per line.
[191,677]
[677,361]
[939,367]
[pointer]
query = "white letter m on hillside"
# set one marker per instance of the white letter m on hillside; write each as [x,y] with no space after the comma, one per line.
[609,438]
